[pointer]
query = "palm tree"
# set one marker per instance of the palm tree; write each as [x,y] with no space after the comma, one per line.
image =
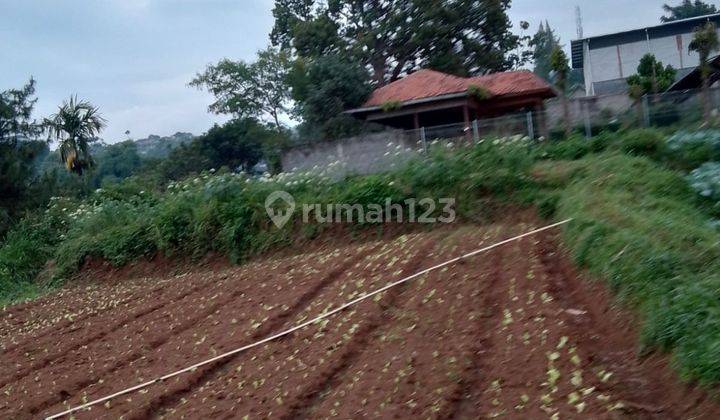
[705,41]
[75,126]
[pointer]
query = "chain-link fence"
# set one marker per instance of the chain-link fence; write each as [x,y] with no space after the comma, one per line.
[516,124]
[588,116]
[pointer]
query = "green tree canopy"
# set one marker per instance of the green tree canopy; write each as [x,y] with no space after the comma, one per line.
[687,9]
[16,107]
[543,43]
[323,88]
[651,77]
[560,67]
[317,37]
[116,162]
[395,37]
[237,144]
[19,154]
[249,90]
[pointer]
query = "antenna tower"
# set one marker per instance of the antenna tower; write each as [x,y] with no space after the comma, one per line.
[578,22]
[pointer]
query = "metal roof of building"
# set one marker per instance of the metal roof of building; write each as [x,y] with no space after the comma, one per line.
[636,35]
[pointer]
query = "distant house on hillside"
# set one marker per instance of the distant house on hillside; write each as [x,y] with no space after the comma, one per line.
[608,60]
[430,98]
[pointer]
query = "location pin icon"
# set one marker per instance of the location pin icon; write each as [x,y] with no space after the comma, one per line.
[280,217]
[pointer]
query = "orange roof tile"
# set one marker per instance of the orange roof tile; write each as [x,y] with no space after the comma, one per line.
[429,83]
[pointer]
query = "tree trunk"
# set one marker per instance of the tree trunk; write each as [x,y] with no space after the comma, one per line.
[396,71]
[277,121]
[379,66]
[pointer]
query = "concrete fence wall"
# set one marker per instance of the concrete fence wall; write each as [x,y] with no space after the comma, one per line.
[591,105]
[364,154]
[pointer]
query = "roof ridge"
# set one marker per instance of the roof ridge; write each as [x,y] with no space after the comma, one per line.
[432,71]
[455,76]
[427,83]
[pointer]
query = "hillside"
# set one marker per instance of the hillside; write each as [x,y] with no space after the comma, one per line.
[155,146]
[512,332]
[528,331]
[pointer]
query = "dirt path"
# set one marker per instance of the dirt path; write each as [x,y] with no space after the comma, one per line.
[513,333]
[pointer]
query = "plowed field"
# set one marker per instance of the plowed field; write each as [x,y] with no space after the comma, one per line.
[515,332]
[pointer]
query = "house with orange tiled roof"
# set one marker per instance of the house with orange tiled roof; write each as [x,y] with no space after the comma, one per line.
[429,98]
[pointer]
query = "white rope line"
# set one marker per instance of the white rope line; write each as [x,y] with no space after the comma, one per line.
[304,324]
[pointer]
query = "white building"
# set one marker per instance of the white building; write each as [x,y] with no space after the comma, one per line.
[607,60]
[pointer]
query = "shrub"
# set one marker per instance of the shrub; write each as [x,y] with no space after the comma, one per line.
[575,147]
[644,142]
[113,230]
[372,189]
[692,149]
[705,180]
[547,205]
[27,248]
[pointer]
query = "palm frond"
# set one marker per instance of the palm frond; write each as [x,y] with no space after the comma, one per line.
[75,125]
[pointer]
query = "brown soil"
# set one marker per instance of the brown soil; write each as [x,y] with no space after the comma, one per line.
[514,333]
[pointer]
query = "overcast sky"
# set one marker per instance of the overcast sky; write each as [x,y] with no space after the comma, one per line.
[133,58]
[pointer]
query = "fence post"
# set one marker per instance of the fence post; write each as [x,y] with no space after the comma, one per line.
[476,131]
[646,110]
[423,139]
[588,125]
[530,125]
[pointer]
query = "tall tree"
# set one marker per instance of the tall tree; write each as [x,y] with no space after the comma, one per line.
[249,90]
[395,37]
[323,88]
[561,69]
[16,107]
[543,43]
[18,171]
[705,41]
[687,9]
[75,126]
[18,156]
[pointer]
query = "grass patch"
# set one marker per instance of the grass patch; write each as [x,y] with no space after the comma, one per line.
[636,225]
